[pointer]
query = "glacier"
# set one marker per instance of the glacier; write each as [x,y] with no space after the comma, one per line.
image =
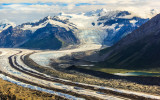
[100,27]
[104,27]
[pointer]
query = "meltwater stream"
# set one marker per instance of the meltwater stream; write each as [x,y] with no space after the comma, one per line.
[137,74]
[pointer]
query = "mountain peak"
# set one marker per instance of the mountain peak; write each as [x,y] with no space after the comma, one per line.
[49,17]
[5,24]
[5,21]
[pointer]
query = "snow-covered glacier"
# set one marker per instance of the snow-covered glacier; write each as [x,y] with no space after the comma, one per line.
[104,27]
[99,27]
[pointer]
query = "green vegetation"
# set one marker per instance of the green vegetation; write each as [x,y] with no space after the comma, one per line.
[107,70]
[116,70]
[10,91]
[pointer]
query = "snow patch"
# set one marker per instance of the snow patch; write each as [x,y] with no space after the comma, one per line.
[5,24]
[49,21]
[133,22]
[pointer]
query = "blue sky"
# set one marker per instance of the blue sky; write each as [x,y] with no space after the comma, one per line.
[68,5]
[61,4]
[38,3]
[71,4]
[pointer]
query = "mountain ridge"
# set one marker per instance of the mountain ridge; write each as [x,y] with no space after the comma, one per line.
[138,50]
[22,35]
[101,29]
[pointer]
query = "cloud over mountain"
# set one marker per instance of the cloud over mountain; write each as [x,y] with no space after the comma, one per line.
[21,11]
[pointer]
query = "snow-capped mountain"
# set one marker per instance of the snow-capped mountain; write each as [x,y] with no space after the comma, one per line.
[47,20]
[104,27]
[47,33]
[100,27]
[4,24]
[119,24]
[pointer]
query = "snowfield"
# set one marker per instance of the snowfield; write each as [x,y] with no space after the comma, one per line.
[49,21]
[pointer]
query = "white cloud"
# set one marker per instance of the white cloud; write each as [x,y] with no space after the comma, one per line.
[20,12]
[74,1]
[71,6]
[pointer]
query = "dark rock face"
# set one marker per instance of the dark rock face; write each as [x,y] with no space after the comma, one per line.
[48,37]
[138,50]
[13,36]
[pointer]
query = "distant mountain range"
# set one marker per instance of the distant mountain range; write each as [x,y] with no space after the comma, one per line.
[101,27]
[138,50]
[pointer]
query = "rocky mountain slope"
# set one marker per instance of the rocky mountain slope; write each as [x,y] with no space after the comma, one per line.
[100,27]
[138,50]
[48,33]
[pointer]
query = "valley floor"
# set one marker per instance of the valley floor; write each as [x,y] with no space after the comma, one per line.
[10,91]
[31,69]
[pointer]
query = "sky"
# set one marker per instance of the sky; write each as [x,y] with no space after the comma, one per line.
[20,11]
